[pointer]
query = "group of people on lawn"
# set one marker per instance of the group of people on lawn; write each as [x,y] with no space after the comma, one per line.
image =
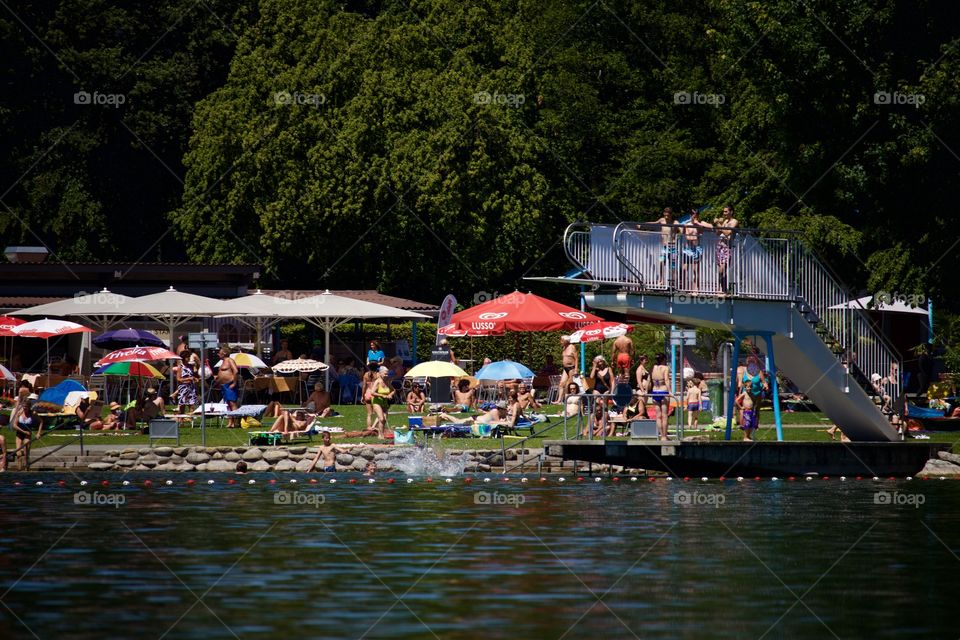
[649,386]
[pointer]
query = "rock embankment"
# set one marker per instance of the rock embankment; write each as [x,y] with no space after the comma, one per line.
[946,465]
[350,458]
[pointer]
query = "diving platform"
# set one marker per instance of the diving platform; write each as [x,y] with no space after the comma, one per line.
[750,459]
[753,283]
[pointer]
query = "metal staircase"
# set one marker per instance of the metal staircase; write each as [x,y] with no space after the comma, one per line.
[825,341]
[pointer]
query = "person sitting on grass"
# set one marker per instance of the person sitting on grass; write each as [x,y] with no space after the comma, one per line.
[572,403]
[329,454]
[527,398]
[87,418]
[319,402]
[416,398]
[463,396]
[114,419]
[148,407]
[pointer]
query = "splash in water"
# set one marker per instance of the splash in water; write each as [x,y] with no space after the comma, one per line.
[425,461]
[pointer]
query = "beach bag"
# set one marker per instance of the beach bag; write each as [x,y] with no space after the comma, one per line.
[402,437]
[249,422]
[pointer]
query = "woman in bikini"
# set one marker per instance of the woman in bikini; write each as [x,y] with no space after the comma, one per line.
[660,383]
[366,392]
[381,393]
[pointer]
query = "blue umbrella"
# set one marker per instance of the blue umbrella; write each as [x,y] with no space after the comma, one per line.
[57,394]
[127,338]
[503,370]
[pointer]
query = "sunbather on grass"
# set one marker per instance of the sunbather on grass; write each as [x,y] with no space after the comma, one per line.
[288,424]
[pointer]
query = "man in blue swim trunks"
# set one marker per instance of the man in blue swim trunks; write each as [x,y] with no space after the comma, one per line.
[329,454]
[692,249]
[227,376]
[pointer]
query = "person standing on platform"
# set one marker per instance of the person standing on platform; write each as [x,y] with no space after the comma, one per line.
[622,357]
[725,228]
[569,363]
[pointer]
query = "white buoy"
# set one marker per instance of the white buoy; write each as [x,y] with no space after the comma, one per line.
[210,481]
[83,483]
[293,481]
[370,481]
[251,481]
[333,481]
[39,483]
[561,479]
[169,482]
[633,478]
[774,479]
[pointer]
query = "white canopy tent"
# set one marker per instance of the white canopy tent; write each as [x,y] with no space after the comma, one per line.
[326,311]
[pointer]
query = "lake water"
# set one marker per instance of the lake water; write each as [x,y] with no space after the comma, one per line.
[821,559]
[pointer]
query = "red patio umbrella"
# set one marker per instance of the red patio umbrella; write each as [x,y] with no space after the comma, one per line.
[7,324]
[600,331]
[516,312]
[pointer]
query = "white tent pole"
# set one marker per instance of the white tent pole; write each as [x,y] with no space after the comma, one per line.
[326,351]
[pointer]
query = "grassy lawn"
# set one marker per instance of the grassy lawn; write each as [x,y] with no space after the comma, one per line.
[801,426]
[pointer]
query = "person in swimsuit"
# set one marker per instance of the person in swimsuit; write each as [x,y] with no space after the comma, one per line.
[569,364]
[622,355]
[692,250]
[24,424]
[748,415]
[526,398]
[329,454]
[754,384]
[602,376]
[659,385]
[366,392]
[289,424]
[668,248]
[725,228]
[227,376]
[572,403]
[416,399]
[643,376]
[463,396]
[693,403]
[381,392]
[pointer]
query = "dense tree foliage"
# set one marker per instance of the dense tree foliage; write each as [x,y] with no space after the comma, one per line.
[431,146]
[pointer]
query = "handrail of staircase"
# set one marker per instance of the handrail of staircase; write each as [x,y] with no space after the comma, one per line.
[618,250]
[574,227]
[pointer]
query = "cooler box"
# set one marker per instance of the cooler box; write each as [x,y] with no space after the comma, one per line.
[415,421]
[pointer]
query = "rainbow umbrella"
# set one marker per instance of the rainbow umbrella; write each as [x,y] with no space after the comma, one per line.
[131,368]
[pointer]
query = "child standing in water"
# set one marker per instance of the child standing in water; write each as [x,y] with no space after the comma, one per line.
[693,403]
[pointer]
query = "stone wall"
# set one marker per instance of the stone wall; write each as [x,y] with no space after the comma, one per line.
[298,458]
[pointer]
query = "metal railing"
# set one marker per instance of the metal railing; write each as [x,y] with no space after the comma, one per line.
[586,423]
[747,263]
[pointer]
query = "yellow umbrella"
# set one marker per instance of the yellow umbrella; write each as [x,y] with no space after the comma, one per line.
[435,369]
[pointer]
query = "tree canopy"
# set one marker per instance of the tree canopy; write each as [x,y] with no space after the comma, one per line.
[426,147]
